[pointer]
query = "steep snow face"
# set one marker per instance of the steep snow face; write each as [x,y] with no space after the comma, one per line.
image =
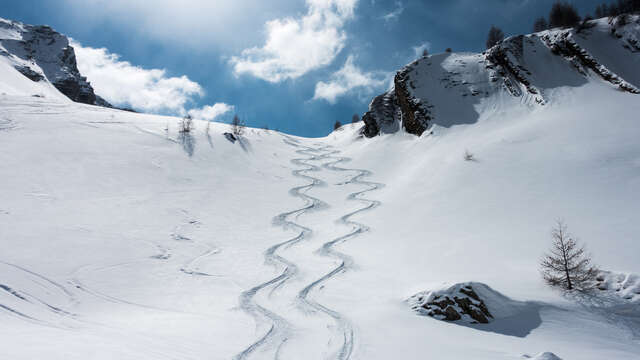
[520,73]
[40,53]
[15,83]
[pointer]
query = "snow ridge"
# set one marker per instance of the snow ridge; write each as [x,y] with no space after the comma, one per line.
[519,72]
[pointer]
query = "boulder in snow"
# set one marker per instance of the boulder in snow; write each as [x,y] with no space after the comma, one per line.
[458,302]
[479,306]
[543,356]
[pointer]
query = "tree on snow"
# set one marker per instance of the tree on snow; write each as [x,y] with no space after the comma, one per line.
[495,36]
[540,24]
[186,124]
[563,14]
[237,126]
[337,125]
[567,265]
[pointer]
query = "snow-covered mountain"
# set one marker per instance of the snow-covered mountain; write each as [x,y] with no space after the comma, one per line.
[44,55]
[123,238]
[519,72]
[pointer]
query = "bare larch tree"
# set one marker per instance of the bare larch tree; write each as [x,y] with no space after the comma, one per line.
[540,24]
[563,15]
[186,124]
[495,36]
[237,126]
[567,265]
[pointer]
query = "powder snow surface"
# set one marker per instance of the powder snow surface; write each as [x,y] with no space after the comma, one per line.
[123,238]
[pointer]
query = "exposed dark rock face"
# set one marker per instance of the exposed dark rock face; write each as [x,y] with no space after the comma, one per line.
[32,75]
[78,91]
[415,117]
[382,115]
[55,58]
[455,306]
[499,57]
[565,46]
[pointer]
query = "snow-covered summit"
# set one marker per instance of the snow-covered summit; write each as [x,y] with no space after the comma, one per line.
[43,55]
[521,72]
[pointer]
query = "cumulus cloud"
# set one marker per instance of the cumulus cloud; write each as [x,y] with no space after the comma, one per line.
[124,84]
[199,24]
[211,112]
[349,78]
[295,46]
[419,50]
[395,14]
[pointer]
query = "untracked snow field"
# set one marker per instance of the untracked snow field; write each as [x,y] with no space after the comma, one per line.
[121,238]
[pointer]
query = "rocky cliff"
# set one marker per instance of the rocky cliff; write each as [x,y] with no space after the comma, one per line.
[519,72]
[42,54]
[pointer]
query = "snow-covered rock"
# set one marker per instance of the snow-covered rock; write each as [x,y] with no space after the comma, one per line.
[457,302]
[623,285]
[42,54]
[543,356]
[478,305]
[519,72]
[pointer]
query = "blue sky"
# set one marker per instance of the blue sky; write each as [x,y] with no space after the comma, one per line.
[297,66]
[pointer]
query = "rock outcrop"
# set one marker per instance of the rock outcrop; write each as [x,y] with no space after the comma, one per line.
[40,53]
[458,303]
[452,88]
[383,115]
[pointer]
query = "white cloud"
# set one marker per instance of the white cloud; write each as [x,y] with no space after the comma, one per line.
[198,24]
[395,14]
[123,84]
[349,78]
[419,50]
[295,46]
[209,112]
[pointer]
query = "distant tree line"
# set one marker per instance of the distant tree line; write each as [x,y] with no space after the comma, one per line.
[495,36]
[563,14]
[616,8]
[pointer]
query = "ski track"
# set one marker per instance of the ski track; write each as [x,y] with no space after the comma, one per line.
[27,297]
[190,267]
[59,286]
[280,328]
[346,262]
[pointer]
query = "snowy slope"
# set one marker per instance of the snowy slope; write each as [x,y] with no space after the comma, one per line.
[14,83]
[122,238]
[443,219]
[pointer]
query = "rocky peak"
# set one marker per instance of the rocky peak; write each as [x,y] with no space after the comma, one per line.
[454,88]
[39,53]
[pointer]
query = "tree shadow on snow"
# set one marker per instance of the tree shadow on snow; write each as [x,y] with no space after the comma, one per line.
[612,306]
[210,140]
[244,143]
[188,142]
